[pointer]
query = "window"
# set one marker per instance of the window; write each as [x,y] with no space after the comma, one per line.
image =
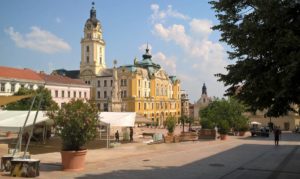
[105,83]
[87,48]
[121,82]
[139,106]
[121,94]
[152,108]
[12,88]
[2,87]
[87,59]
[79,94]
[125,94]
[149,84]
[111,82]
[74,94]
[22,86]
[145,84]
[31,86]
[99,84]
[145,106]
[84,94]
[145,94]
[89,35]
[56,93]
[125,82]
[69,94]
[105,94]
[98,94]
[139,82]
[100,60]
[62,94]
[139,93]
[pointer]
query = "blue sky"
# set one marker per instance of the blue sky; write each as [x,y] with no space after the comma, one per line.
[45,35]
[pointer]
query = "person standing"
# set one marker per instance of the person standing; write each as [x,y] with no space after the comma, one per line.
[117,136]
[131,134]
[277,133]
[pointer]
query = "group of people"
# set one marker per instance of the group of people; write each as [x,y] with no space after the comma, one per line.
[117,135]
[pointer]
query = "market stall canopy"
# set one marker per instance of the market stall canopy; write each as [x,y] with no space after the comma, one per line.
[14,120]
[255,123]
[9,99]
[118,119]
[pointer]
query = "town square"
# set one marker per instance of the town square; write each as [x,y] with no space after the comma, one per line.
[146,89]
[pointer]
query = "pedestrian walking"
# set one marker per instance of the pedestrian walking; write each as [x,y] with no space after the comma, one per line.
[277,133]
[131,134]
[117,136]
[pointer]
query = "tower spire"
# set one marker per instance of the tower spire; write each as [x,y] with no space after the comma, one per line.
[147,54]
[93,11]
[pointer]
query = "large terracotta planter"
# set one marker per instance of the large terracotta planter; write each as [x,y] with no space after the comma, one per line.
[223,136]
[169,138]
[242,133]
[73,160]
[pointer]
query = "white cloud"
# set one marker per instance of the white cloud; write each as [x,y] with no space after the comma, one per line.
[39,40]
[168,63]
[201,27]
[161,15]
[204,57]
[58,20]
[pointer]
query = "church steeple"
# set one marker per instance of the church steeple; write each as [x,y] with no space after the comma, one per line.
[204,89]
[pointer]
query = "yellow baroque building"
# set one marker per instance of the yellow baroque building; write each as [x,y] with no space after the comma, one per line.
[143,87]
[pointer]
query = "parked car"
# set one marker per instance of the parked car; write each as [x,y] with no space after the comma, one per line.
[260,131]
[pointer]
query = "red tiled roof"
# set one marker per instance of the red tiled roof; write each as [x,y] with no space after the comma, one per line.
[17,73]
[61,79]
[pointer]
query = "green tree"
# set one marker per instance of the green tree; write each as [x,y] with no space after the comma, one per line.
[24,104]
[183,119]
[265,42]
[76,123]
[170,124]
[223,113]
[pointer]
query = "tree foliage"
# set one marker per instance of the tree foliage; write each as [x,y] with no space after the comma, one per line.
[25,104]
[265,42]
[224,114]
[171,124]
[76,123]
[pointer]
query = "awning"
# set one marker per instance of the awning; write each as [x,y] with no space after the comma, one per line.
[119,119]
[14,120]
[9,99]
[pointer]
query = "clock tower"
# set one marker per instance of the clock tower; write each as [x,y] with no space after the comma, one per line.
[92,48]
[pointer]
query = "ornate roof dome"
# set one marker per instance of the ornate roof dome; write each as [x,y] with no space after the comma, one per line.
[93,19]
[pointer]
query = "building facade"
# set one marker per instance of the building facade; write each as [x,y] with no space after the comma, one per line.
[12,79]
[143,87]
[202,102]
[185,111]
[62,88]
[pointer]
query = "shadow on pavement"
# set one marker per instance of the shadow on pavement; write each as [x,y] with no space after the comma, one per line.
[284,137]
[244,161]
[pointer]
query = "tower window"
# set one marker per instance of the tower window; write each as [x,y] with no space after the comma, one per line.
[87,59]
[87,48]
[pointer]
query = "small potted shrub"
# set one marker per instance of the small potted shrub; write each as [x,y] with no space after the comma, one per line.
[243,130]
[170,124]
[223,129]
[76,123]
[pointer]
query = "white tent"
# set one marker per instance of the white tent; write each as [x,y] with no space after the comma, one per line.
[118,119]
[14,120]
[255,123]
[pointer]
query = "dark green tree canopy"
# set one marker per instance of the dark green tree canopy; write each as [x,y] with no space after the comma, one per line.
[265,42]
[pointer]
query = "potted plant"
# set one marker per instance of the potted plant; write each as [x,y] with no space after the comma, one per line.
[170,124]
[76,123]
[223,129]
[243,130]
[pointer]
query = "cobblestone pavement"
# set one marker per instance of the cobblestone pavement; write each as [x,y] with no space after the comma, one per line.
[237,157]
